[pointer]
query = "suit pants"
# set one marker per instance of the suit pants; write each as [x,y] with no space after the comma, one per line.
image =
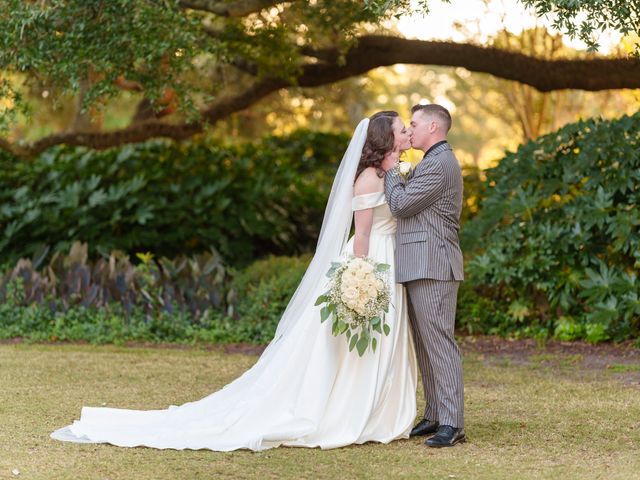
[432,311]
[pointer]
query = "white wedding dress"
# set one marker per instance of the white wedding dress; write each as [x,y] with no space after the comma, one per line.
[306,390]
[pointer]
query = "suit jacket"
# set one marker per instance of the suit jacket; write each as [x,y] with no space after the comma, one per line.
[427,207]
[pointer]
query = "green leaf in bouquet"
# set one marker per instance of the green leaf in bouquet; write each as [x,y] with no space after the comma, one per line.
[387,329]
[353,341]
[362,345]
[348,333]
[376,324]
[322,299]
[383,267]
[332,270]
[342,326]
[324,314]
[374,344]
[365,335]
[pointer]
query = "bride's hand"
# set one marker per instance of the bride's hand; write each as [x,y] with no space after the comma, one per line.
[391,159]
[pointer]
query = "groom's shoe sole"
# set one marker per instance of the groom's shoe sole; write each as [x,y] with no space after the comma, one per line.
[423,435]
[462,439]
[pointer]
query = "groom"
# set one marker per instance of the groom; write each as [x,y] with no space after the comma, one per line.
[429,263]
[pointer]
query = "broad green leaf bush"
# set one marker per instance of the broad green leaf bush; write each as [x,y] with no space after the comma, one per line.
[555,247]
[246,201]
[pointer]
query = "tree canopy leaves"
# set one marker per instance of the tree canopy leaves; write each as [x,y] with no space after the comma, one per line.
[206,59]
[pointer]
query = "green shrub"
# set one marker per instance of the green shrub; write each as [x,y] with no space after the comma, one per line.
[246,201]
[555,247]
[36,323]
[260,294]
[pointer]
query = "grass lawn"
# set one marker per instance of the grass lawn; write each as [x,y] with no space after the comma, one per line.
[539,416]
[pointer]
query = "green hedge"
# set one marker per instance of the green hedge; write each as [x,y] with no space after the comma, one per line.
[260,294]
[555,247]
[245,201]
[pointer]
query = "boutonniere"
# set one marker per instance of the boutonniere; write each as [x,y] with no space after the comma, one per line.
[404,169]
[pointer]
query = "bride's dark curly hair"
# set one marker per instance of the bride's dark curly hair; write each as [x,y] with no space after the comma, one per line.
[379,142]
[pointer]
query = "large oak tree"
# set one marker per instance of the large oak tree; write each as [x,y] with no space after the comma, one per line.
[210,58]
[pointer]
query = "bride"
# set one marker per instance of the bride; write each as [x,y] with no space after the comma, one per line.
[307,389]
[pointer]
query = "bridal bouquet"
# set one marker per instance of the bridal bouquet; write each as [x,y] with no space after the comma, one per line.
[357,300]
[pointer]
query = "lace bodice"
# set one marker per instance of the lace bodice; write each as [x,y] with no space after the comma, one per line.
[383,221]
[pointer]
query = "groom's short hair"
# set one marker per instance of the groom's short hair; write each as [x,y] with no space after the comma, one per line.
[438,111]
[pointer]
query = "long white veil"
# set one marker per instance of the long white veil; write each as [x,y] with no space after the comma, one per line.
[333,234]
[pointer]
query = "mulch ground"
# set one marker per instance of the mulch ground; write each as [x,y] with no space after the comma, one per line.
[594,356]
[621,361]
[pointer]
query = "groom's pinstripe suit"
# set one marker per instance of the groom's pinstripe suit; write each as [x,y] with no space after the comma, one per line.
[429,263]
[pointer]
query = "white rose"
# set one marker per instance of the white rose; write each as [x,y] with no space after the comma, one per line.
[404,168]
[347,277]
[364,295]
[357,277]
[361,277]
[368,268]
[354,264]
[350,293]
[363,265]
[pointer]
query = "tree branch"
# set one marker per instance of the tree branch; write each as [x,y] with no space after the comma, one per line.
[372,52]
[141,131]
[239,8]
[244,65]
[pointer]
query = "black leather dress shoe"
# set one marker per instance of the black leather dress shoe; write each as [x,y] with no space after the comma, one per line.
[447,436]
[424,427]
